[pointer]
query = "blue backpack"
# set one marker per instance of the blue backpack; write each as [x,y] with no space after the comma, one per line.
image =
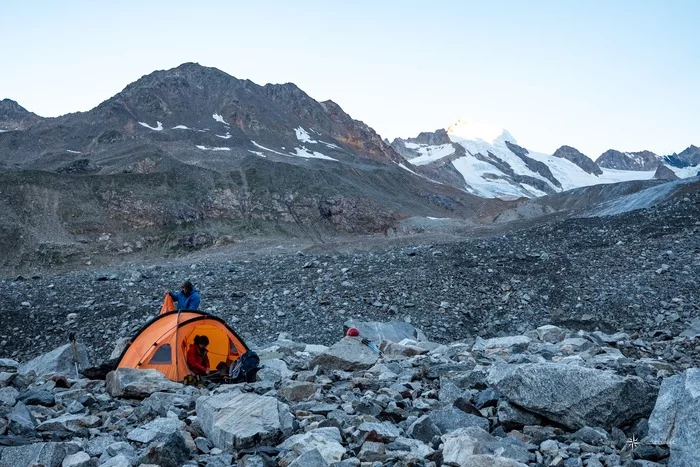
[245,368]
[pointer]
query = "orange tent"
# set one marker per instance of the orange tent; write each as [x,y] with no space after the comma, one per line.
[162,344]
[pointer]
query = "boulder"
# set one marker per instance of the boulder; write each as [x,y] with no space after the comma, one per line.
[138,384]
[348,354]
[157,430]
[172,451]
[311,458]
[80,459]
[8,396]
[327,441]
[237,420]
[451,418]
[7,365]
[274,369]
[161,403]
[394,351]
[58,361]
[21,421]
[574,396]
[68,424]
[512,343]
[481,460]
[423,429]
[675,421]
[295,391]
[551,334]
[47,454]
[394,331]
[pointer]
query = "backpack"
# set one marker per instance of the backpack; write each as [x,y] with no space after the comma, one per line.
[245,368]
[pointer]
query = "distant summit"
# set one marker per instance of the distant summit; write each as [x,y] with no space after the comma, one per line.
[642,160]
[578,158]
[15,117]
[464,130]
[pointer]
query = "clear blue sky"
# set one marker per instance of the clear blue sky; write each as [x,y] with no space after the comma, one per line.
[594,74]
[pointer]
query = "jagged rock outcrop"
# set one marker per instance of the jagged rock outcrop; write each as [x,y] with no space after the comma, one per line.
[664,173]
[578,158]
[642,160]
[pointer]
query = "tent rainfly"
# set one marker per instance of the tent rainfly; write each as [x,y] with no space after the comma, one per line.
[162,344]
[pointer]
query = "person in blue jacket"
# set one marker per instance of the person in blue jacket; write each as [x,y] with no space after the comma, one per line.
[187,298]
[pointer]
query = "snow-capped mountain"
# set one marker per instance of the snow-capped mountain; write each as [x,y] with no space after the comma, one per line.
[489,163]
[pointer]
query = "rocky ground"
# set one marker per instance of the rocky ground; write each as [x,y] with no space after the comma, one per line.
[487,380]
[548,397]
[636,272]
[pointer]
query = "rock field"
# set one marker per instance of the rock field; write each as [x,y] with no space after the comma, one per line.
[571,343]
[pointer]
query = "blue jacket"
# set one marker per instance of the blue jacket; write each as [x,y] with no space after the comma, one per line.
[186,303]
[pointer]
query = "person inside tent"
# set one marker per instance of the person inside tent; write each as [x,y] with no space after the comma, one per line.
[197,358]
[187,298]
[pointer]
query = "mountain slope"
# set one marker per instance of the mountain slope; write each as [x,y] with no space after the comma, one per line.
[187,158]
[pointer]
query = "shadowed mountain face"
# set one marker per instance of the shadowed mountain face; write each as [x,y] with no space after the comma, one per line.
[15,117]
[642,160]
[192,157]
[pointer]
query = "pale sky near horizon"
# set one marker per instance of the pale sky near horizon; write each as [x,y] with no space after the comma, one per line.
[599,74]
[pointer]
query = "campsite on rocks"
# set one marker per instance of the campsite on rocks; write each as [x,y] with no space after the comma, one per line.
[202,271]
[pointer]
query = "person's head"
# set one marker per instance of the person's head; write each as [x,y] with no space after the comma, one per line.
[187,288]
[201,341]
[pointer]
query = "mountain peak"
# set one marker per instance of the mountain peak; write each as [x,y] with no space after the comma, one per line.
[474,131]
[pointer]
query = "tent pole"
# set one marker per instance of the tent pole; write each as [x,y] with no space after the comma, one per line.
[176,348]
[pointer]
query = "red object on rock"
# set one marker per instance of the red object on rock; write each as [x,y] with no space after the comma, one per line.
[353,332]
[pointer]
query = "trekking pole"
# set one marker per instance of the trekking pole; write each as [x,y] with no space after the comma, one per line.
[71,338]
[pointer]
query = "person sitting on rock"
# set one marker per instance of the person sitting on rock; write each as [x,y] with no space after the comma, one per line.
[197,358]
[188,297]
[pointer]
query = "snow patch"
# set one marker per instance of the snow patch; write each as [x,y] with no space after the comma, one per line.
[4,131]
[429,153]
[268,149]
[303,136]
[406,168]
[685,172]
[73,152]
[157,128]
[464,130]
[226,136]
[205,148]
[257,153]
[220,119]
[305,153]
[331,145]
[180,127]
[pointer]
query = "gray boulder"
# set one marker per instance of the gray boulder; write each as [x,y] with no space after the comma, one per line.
[238,420]
[348,354]
[162,402]
[394,331]
[80,459]
[47,454]
[169,452]
[157,430]
[21,421]
[675,421]
[326,441]
[574,396]
[451,418]
[58,361]
[138,384]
